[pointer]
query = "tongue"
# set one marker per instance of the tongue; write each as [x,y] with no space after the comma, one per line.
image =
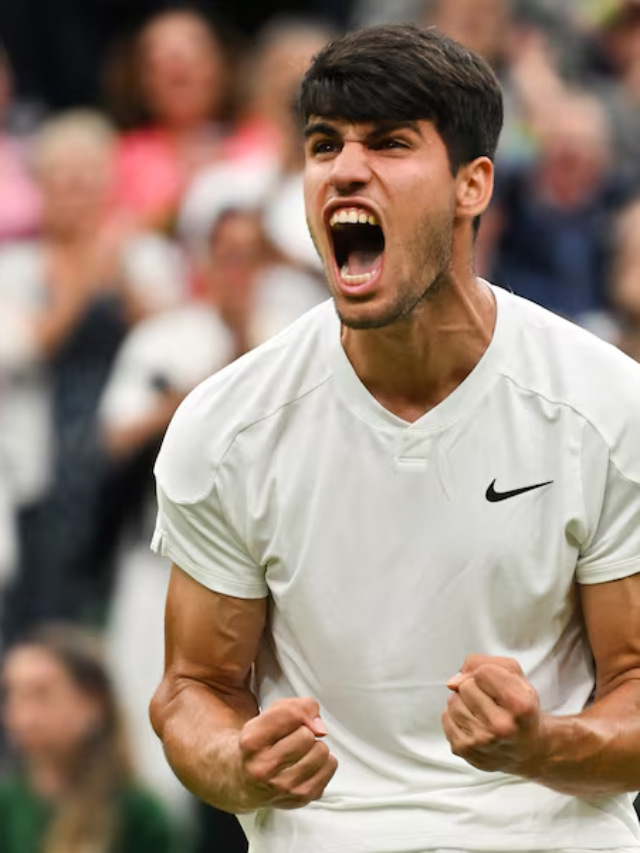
[362,261]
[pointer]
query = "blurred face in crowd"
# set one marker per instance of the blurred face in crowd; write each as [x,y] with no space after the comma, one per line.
[480,25]
[182,70]
[281,66]
[237,251]
[575,150]
[76,175]
[46,715]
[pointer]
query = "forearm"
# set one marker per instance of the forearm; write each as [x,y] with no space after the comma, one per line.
[200,731]
[597,752]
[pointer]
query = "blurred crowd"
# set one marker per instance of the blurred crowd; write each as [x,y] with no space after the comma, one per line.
[151,236]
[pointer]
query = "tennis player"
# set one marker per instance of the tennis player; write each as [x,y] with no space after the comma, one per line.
[405,609]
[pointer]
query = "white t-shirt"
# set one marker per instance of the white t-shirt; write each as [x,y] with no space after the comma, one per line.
[387,564]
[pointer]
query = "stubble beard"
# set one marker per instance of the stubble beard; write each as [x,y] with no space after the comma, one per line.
[431,248]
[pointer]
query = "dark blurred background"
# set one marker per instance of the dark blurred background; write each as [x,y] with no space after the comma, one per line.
[152,230]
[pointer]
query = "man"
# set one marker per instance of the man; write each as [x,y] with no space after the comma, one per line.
[435,493]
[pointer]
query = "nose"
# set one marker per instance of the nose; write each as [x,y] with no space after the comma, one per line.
[350,169]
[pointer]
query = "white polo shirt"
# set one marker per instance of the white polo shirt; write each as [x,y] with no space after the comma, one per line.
[391,551]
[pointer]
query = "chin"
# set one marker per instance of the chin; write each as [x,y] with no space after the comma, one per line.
[367,316]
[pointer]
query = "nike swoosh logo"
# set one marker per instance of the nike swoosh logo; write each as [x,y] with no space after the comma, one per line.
[494,497]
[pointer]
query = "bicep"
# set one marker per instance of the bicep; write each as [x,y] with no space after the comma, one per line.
[210,637]
[612,619]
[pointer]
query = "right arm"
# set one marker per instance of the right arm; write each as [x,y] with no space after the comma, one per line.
[217,743]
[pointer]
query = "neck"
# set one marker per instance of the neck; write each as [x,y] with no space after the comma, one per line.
[48,777]
[414,364]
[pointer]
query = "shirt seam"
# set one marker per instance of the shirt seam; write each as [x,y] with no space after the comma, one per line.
[243,428]
[576,411]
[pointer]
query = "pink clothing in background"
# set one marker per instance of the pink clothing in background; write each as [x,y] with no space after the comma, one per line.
[153,171]
[20,206]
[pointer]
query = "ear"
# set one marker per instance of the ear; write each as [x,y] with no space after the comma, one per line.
[474,188]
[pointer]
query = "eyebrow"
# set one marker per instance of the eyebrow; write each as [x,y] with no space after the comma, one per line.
[379,128]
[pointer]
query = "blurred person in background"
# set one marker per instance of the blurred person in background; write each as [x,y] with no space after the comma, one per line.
[247,293]
[271,78]
[19,198]
[66,301]
[550,224]
[172,95]
[519,48]
[625,291]
[615,38]
[73,789]
[250,283]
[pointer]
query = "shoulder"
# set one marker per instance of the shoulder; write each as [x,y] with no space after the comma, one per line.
[256,387]
[564,364]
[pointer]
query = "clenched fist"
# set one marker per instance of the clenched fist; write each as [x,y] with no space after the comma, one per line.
[493,718]
[283,763]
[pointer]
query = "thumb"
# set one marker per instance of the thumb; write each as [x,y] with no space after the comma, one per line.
[456,680]
[318,727]
[313,720]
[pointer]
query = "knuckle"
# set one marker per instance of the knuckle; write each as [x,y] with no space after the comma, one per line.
[321,749]
[262,771]
[504,729]
[280,787]
[248,741]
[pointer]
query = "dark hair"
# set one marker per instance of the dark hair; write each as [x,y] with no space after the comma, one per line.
[87,819]
[406,73]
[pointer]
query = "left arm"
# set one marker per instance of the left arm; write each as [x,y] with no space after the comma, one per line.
[493,717]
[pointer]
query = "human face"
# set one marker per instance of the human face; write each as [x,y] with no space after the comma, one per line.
[237,251]
[76,180]
[182,70]
[46,715]
[396,178]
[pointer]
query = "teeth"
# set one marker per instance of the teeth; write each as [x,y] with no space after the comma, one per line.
[354,279]
[352,216]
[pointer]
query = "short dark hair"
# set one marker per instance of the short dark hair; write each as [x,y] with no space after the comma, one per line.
[406,73]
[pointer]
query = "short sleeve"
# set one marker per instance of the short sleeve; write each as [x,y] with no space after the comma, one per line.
[612,504]
[194,528]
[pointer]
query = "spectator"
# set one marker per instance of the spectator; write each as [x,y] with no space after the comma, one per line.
[19,199]
[625,293]
[65,303]
[174,97]
[284,51]
[552,221]
[73,790]
[618,83]
[247,294]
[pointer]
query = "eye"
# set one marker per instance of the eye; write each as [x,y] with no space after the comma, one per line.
[389,144]
[323,146]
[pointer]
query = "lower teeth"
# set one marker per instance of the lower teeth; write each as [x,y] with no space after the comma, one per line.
[354,279]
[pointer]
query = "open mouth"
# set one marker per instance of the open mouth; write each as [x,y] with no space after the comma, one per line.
[358,244]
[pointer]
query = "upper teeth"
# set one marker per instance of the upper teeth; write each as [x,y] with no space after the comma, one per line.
[352,216]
